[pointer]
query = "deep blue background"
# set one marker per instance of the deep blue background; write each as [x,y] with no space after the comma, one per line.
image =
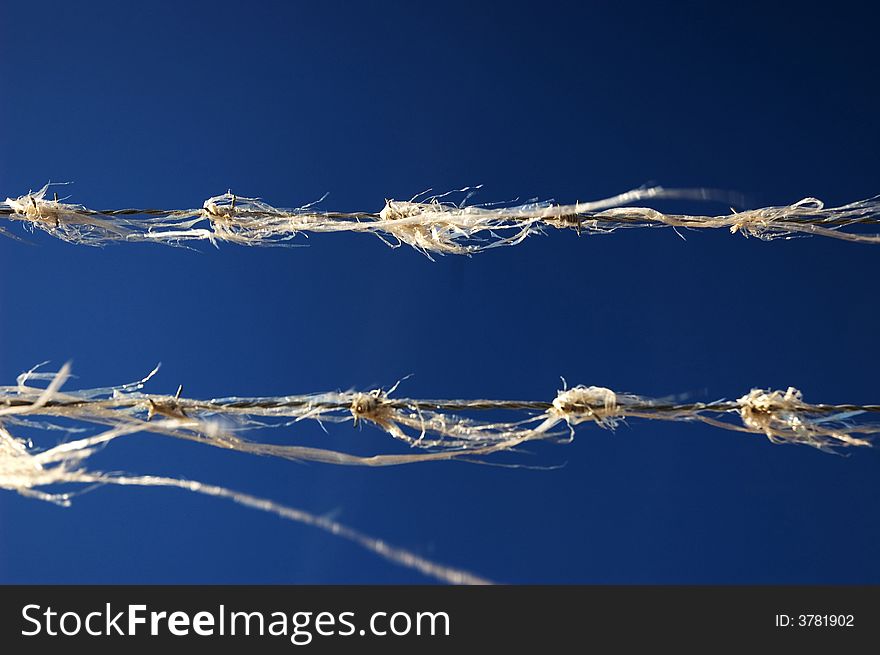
[167,103]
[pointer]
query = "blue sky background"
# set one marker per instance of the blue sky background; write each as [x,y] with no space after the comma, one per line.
[167,103]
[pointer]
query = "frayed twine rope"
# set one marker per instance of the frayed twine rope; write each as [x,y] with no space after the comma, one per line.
[436,429]
[432,226]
